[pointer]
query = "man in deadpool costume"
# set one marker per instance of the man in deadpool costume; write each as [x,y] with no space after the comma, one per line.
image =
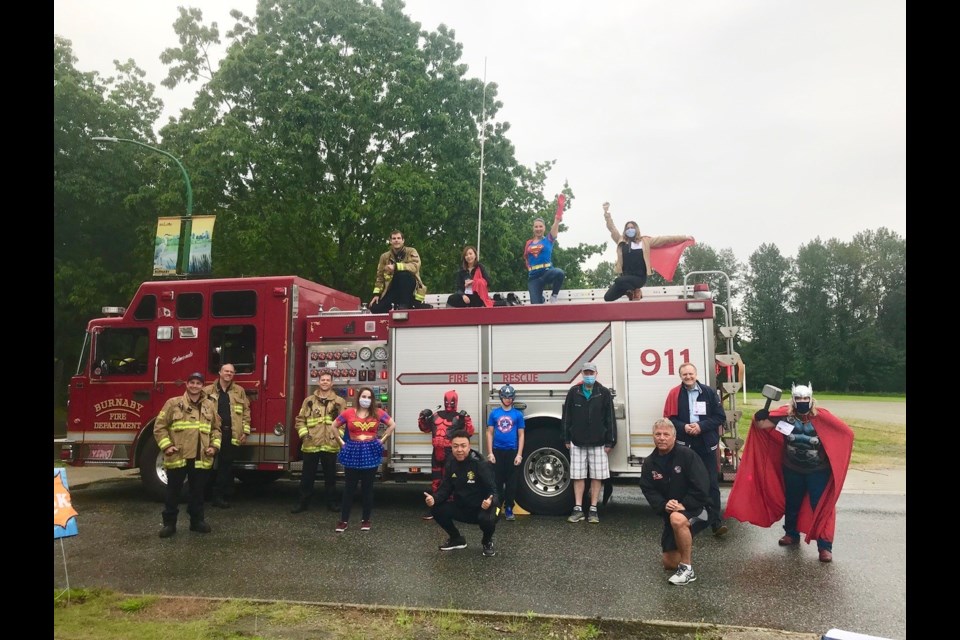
[440,424]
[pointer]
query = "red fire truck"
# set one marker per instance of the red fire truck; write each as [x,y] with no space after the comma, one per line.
[280,332]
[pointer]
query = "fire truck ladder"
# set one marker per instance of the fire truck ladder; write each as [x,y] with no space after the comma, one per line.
[732,443]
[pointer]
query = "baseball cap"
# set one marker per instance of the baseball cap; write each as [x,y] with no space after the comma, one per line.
[588,366]
[195,374]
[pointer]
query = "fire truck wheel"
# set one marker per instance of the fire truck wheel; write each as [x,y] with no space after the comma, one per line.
[544,485]
[152,473]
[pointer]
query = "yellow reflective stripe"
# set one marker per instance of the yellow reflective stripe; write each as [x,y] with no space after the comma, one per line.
[174,464]
[203,464]
[181,425]
[312,422]
[311,449]
[216,443]
[302,432]
[401,267]
[164,443]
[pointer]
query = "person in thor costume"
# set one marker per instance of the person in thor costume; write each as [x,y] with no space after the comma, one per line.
[440,425]
[793,467]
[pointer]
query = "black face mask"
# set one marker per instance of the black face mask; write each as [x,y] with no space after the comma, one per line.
[803,407]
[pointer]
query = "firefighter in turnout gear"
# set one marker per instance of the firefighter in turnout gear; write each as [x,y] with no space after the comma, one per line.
[319,441]
[187,430]
[233,406]
[440,425]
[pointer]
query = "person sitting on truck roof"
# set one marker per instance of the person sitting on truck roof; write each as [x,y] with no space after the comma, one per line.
[469,480]
[538,255]
[398,282]
[638,256]
[187,430]
[473,283]
[674,482]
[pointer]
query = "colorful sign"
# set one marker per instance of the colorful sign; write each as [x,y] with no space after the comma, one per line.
[166,247]
[201,240]
[64,515]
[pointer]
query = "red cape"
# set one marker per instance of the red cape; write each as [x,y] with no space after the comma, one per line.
[481,288]
[664,259]
[757,496]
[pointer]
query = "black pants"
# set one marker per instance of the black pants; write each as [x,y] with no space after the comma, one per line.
[365,477]
[400,292]
[709,457]
[198,483]
[223,474]
[506,475]
[623,285]
[456,300]
[328,461]
[447,512]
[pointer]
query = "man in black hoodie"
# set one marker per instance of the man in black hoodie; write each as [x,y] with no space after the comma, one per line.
[470,479]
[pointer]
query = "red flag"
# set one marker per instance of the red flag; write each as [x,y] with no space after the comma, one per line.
[558,216]
[664,259]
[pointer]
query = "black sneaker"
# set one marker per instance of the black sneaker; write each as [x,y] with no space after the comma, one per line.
[454,543]
[488,549]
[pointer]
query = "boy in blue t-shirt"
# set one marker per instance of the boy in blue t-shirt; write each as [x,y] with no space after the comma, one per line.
[505,429]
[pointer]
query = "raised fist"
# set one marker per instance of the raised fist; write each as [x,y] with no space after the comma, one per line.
[425,414]
[762,414]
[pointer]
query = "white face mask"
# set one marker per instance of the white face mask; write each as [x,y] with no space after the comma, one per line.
[365,402]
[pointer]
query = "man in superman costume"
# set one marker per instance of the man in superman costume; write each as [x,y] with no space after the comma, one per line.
[793,467]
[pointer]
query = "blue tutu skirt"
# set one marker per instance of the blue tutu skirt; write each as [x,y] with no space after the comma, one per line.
[361,455]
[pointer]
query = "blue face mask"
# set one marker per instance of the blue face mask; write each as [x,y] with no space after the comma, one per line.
[630,233]
[589,380]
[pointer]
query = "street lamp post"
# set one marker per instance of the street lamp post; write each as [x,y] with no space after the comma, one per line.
[184,257]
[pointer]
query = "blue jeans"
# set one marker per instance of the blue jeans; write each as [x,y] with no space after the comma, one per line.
[795,485]
[537,283]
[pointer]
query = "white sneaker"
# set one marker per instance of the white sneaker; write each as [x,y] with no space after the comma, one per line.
[684,575]
[553,300]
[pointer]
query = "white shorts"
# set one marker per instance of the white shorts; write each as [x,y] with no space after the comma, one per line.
[588,462]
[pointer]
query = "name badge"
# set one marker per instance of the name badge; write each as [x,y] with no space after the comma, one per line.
[700,407]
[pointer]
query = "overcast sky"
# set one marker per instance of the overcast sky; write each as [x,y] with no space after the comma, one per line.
[738,122]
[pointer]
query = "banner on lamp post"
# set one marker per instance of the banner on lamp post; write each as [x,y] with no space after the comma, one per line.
[166,247]
[201,241]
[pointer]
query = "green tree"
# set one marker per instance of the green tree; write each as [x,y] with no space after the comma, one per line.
[105,201]
[767,346]
[330,123]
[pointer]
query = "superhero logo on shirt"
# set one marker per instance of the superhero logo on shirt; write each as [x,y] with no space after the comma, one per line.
[657,475]
[505,424]
[471,478]
[535,249]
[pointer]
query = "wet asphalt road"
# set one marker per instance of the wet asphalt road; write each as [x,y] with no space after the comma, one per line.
[543,564]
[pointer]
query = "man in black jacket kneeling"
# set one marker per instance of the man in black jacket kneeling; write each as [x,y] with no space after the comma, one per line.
[470,479]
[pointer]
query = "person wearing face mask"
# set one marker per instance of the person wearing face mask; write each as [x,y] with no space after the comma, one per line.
[589,432]
[361,453]
[793,467]
[639,256]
